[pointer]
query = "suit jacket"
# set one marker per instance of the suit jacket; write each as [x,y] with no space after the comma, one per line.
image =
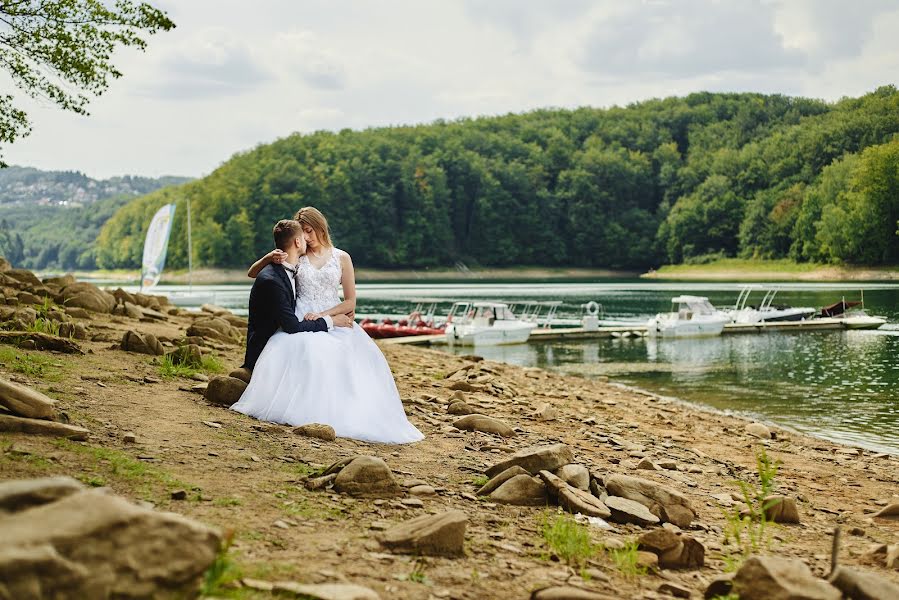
[272,305]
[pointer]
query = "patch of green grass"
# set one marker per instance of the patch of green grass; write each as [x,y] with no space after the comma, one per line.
[31,459]
[169,368]
[568,539]
[227,501]
[480,480]
[626,560]
[42,325]
[115,465]
[92,480]
[417,575]
[211,365]
[747,527]
[222,572]
[310,509]
[30,364]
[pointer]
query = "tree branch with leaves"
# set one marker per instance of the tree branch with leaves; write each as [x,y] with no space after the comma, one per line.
[61,51]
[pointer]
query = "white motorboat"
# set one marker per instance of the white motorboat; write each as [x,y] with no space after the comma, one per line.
[693,316]
[485,324]
[766,311]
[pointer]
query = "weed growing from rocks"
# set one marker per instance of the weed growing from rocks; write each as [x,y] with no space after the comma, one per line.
[747,526]
[626,560]
[568,539]
[43,326]
[169,368]
[222,572]
[418,572]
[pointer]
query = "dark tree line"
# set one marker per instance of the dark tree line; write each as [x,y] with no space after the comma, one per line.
[662,181]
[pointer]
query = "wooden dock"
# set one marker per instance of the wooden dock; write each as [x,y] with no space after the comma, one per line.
[579,333]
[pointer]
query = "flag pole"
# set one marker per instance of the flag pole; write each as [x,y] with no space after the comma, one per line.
[190,253]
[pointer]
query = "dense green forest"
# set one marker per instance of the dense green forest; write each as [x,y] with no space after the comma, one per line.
[662,181]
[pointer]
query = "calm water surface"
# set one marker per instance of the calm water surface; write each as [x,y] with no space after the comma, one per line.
[836,385]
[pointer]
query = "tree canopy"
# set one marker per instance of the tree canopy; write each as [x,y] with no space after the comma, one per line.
[661,181]
[61,51]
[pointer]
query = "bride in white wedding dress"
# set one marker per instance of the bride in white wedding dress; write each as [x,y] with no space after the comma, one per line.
[339,377]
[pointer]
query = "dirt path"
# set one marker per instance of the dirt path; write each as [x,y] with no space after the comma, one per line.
[246,476]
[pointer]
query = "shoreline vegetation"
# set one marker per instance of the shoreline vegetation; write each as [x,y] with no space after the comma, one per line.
[728,269]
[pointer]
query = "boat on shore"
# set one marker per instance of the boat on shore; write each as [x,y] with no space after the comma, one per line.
[692,316]
[485,324]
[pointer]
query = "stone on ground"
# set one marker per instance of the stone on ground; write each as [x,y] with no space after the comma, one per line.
[433,535]
[483,423]
[145,343]
[521,490]
[629,511]
[575,475]
[224,390]
[241,373]
[316,430]
[92,544]
[500,479]
[25,401]
[781,578]
[325,591]
[759,430]
[536,459]
[572,499]
[665,503]
[781,509]
[20,494]
[861,585]
[567,592]
[367,476]
[42,427]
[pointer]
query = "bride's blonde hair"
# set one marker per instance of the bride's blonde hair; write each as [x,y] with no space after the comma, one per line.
[311,216]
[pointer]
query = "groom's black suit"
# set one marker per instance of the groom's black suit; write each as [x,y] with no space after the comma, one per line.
[272,302]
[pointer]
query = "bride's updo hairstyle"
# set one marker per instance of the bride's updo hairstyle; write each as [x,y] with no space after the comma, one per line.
[311,216]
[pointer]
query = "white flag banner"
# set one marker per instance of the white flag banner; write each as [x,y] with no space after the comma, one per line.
[155,246]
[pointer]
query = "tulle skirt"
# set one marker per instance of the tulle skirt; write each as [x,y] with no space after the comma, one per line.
[339,378]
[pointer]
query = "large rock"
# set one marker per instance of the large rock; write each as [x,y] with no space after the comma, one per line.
[367,476]
[241,373]
[87,296]
[485,424]
[675,551]
[572,499]
[25,401]
[23,276]
[521,490]
[142,343]
[122,296]
[575,475]
[500,479]
[781,578]
[20,494]
[94,545]
[891,511]
[215,328]
[665,503]
[434,535]
[534,460]
[224,390]
[41,427]
[629,511]
[860,585]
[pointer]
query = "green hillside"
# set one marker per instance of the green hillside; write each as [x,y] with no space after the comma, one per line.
[663,181]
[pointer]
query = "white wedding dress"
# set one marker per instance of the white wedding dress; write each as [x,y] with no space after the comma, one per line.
[339,378]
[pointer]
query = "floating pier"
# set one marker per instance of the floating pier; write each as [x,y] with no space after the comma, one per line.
[579,333]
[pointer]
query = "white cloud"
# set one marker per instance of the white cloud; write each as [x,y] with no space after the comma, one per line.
[228,78]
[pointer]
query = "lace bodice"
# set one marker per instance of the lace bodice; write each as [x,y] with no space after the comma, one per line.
[317,290]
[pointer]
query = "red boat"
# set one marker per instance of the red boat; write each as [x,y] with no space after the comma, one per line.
[402,328]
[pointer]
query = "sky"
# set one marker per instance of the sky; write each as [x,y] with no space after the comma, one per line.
[234,75]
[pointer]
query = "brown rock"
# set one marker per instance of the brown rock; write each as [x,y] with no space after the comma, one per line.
[242,373]
[572,499]
[215,328]
[665,503]
[316,430]
[485,424]
[459,407]
[567,592]
[25,401]
[891,511]
[434,535]
[629,511]
[673,589]
[224,390]
[95,545]
[534,460]
[500,479]
[860,585]
[21,494]
[575,475]
[23,276]
[521,490]
[758,430]
[41,427]
[781,578]
[781,509]
[324,591]
[142,343]
[367,476]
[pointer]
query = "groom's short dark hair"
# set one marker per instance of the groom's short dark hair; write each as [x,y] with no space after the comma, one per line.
[285,231]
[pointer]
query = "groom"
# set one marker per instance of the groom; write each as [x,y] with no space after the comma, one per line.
[274,296]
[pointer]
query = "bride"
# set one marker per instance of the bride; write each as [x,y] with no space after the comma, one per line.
[338,377]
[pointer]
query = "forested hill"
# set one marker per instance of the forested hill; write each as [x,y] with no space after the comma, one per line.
[50,219]
[662,181]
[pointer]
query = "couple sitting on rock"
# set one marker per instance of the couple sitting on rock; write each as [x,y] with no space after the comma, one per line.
[331,373]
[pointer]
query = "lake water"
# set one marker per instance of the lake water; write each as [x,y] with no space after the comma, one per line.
[839,385]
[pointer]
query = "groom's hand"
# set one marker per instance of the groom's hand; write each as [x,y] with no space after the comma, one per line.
[342,321]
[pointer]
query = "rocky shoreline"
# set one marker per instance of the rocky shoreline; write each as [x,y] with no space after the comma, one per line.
[128,395]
